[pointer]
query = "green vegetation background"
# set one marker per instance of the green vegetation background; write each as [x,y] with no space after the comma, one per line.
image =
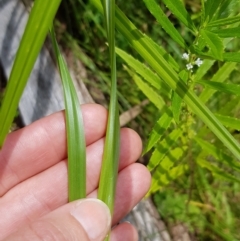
[205,200]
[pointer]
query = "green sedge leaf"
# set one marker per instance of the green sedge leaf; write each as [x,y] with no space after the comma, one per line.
[223,87]
[221,76]
[151,94]
[109,170]
[163,20]
[164,173]
[214,43]
[178,9]
[147,49]
[40,20]
[216,171]
[224,21]
[229,121]
[218,154]
[159,129]
[75,131]
[152,78]
[227,32]
[163,148]
[232,57]
[177,100]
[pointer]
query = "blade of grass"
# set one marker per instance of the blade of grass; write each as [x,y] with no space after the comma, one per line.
[108,177]
[40,20]
[75,131]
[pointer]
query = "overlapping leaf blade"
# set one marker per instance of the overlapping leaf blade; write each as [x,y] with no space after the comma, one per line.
[40,20]
[75,131]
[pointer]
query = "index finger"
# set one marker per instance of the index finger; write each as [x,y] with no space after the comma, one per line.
[42,144]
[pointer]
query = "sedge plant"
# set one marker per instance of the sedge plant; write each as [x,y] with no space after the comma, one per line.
[38,25]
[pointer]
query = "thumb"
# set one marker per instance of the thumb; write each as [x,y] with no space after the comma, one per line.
[84,220]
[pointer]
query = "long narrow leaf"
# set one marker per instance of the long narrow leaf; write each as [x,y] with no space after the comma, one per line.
[221,76]
[109,170]
[40,20]
[232,57]
[224,21]
[75,131]
[229,121]
[228,32]
[223,87]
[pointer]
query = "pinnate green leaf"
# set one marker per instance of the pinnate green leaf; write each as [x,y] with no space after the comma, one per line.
[159,129]
[217,171]
[232,57]
[214,44]
[218,154]
[223,87]
[148,50]
[178,9]
[163,20]
[210,7]
[224,21]
[145,72]
[227,32]
[229,121]
[222,75]
[151,94]
[163,148]
[165,173]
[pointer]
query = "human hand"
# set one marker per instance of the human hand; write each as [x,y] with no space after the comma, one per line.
[33,183]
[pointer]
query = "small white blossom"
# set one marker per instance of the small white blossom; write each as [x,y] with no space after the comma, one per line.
[189,66]
[198,62]
[185,56]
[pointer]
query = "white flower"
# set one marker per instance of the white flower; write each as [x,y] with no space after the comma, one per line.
[185,56]
[189,66]
[198,62]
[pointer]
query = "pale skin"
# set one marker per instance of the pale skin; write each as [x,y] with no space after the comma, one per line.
[33,183]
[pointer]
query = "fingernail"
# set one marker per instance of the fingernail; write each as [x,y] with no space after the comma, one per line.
[94,216]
